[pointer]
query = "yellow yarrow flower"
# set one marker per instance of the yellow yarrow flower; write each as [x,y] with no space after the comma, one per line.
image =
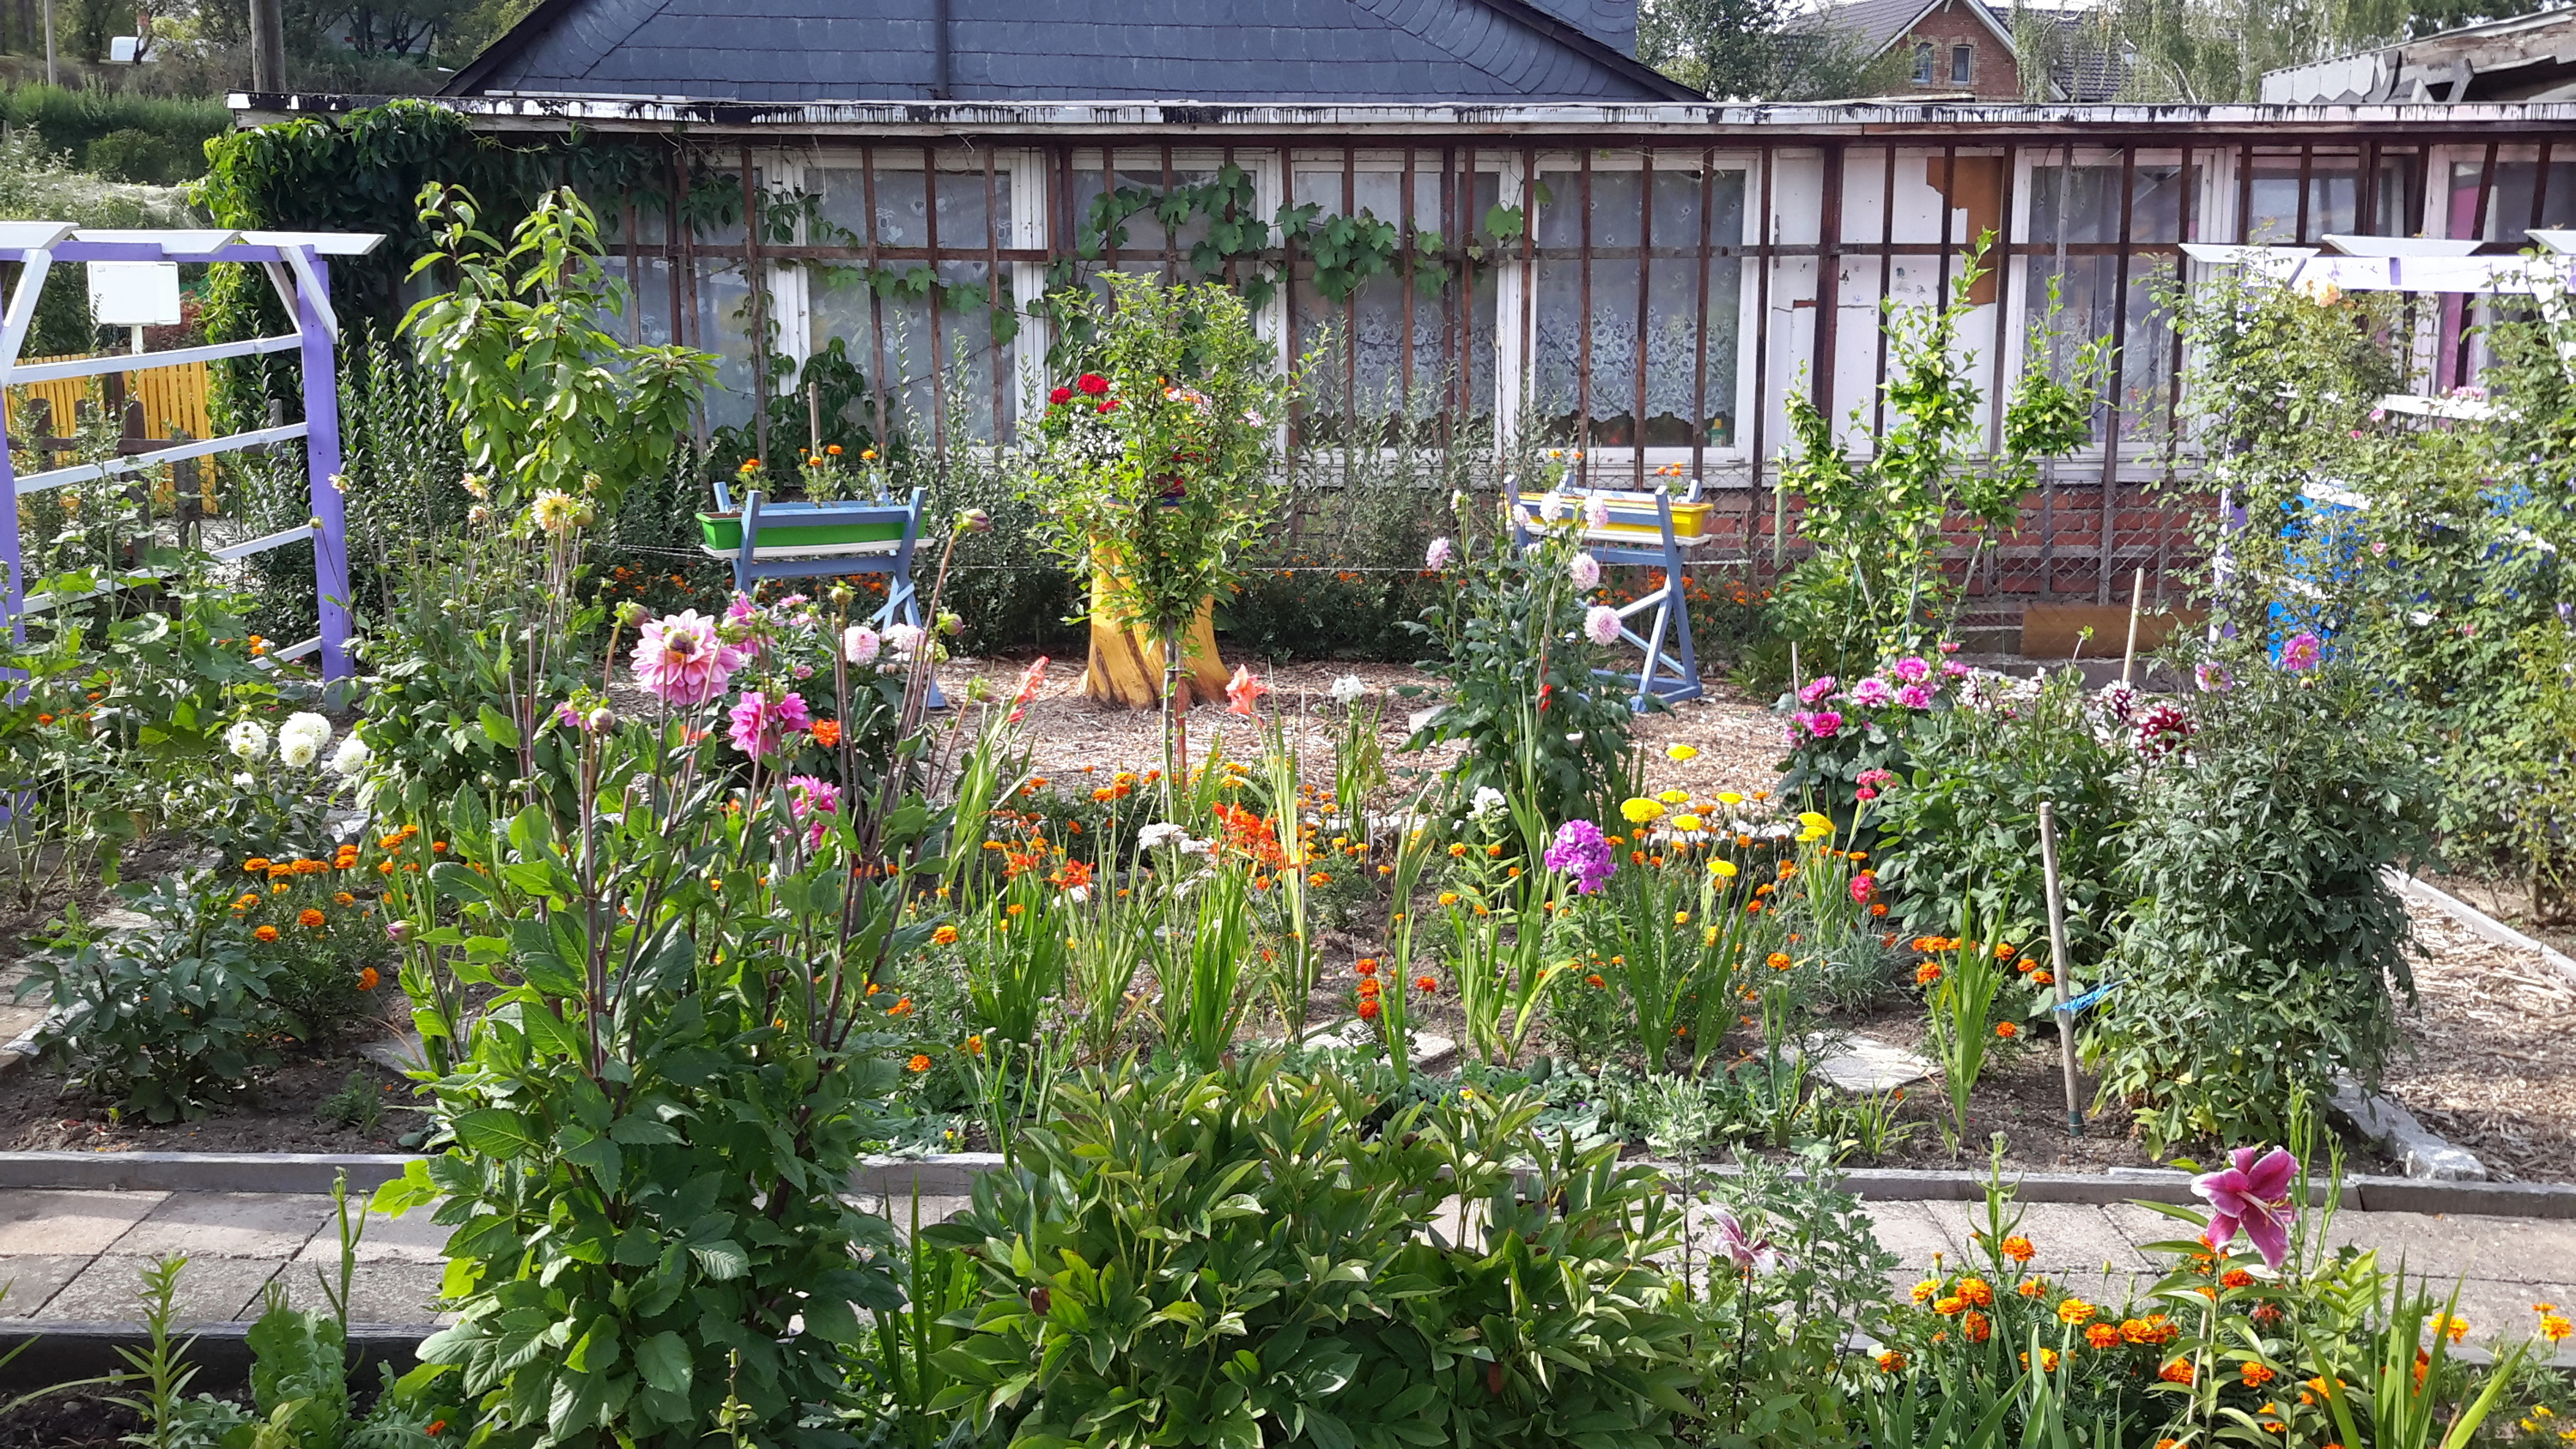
[1682,753]
[1729,798]
[1641,811]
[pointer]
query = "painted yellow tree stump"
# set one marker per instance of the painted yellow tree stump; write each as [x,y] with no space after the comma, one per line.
[1126,667]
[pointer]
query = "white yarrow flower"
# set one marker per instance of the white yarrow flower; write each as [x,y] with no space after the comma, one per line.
[1349,690]
[1487,802]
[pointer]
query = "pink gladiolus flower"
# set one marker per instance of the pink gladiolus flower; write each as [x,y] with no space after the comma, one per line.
[680,660]
[1243,691]
[1818,688]
[2302,652]
[1913,669]
[2252,1193]
[1030,683]
[1914,696]
[759,725]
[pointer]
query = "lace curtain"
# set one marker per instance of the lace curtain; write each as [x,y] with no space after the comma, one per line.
[1689,389]
[1364,372]
[961,365]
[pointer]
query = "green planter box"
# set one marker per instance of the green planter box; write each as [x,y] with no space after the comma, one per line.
[779,528]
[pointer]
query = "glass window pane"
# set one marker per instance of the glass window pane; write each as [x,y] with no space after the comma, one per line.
[1595,349]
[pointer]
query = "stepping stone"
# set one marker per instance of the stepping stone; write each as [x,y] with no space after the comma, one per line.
[1353,1035]
[1866,1064]
[117,918]
[400,1054]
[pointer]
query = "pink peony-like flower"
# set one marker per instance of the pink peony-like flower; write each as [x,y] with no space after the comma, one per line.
[1913,669]
[1915,696]
[758,724]
[1871,692]
[2253,1193]
[679,659]
[1440,553]
[1953,669]
[1863,886]
[1596,513]
[1824,724]
[1585,571]
[1601,624]
[1817,688]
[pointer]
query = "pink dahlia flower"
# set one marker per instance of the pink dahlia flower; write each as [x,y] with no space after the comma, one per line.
[679,659]
[759,724]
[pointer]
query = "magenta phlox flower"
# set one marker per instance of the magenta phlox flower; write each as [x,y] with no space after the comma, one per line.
[2302,652]
[680,659]
[2253,1193]
[1872,692]
[1912,669]
[1817,688]
[760,724]
[1583,852]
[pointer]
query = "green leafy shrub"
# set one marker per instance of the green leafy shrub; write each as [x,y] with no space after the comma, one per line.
[121,135]
[172,1017]
[2262,958]
[1248,1257]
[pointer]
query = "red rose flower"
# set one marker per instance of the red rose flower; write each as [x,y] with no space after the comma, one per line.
[1060,397]
[1092,383]
[1109,405]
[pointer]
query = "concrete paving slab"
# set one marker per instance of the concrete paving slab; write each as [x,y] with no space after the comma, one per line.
[227,1225]
[2077,1238]
[1913,1235]
[897,1208]
[2146,1225]
[70,1223]
[30,1279]
[407,1238]
[2456,1245]
[388,1292]
[211,1290]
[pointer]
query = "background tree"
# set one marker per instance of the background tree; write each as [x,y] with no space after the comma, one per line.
[1754,50]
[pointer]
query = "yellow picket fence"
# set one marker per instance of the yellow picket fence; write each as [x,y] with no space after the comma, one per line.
[175,403]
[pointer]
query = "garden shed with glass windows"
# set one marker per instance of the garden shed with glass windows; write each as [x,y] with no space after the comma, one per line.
[1484,212]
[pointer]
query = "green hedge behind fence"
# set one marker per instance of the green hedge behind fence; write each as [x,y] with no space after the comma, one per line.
[117,134]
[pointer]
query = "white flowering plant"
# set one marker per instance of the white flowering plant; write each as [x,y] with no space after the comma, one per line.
[1526,642]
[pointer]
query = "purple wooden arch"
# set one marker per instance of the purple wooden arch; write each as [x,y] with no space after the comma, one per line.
[298,267]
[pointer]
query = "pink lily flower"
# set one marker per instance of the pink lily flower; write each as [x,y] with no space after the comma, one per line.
[2254,1194]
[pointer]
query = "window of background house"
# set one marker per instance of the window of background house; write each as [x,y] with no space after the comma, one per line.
[1380,363]
[1923,64]
[900,341]
[1963,60]
[1660,343]
[2081,205]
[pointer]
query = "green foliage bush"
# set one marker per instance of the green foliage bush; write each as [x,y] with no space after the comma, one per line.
[1249,1257]
[120,135]
[2266,944]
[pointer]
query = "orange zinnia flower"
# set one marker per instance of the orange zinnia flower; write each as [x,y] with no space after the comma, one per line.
[827,733]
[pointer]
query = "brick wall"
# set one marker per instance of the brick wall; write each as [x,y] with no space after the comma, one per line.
[1992,73]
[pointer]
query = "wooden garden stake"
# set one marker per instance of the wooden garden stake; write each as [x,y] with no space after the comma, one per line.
[814,425]
[2057,955]
[2137,596]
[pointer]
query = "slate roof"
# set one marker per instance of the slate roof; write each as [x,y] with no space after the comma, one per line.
[1309,51]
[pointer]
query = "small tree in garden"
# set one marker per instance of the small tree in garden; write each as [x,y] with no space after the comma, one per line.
[1880,524]
[1154,461]
[546,395]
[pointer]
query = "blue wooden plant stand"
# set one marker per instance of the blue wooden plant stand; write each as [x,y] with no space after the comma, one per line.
[891,557]
[1640,531]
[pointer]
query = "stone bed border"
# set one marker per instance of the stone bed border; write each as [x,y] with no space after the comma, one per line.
[953,1174]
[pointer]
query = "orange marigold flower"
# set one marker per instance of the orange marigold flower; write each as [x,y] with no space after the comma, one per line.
[1977,1327]
[1927,973]
[344,898]
[2102,1335]
[919,1062]
[264,933]
[368,978]
[1946,1306]
[2047,1360]
[2256,1375]
[2018,1248]
[1977,1291]
[2237,1278]
[1891,1362]
[2450,1327]
[2179,1371]
[1369,1009]
[1425,985]
[1926,1291]
[827,733]
[2007,1030]
[945,935]
[2033,1288]
[2554,1327]
[902,1007]
[2074,1311]
[255,864]
[308,917]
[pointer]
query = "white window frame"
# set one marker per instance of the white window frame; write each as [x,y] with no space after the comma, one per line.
[1516,314]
